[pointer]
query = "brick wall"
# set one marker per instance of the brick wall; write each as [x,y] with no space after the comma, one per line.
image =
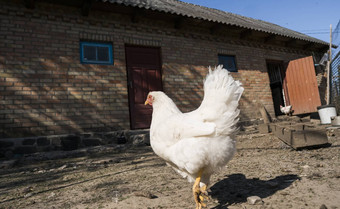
[44,89]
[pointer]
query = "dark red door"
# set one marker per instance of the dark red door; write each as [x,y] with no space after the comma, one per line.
[144,75]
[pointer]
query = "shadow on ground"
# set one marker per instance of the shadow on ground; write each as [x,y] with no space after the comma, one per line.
[39,174]
[236,188]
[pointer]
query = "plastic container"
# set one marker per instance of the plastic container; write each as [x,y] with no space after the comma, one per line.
[326,112]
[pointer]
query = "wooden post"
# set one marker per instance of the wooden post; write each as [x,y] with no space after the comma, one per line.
[329,66]
[330,44]
[264,114]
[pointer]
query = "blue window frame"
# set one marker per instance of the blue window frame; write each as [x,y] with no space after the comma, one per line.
[96,53]
[228,62]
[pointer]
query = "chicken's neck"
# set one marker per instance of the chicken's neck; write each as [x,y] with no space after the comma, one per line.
[164,108]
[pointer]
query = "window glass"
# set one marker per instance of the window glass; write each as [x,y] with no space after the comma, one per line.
[103,53]
[228,62]
[89,53]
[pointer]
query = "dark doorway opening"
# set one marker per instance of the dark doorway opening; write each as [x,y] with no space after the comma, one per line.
[276,77]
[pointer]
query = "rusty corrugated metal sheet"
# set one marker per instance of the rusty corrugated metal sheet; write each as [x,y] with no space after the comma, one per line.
[302,87]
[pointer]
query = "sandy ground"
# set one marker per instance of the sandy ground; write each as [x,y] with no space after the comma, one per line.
[123,177]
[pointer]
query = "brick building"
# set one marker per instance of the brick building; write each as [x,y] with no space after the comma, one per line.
[78,66]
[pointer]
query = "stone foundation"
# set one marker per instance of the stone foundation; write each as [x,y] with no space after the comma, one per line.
[12,146]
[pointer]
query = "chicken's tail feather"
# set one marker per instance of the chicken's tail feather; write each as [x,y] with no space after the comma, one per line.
[221,98]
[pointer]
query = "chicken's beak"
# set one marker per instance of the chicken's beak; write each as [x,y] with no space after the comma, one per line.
[148,100]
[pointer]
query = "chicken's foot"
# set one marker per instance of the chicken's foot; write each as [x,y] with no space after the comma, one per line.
[199,193]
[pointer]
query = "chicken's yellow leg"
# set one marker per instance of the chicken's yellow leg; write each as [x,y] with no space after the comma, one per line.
[204,190]
[198,196]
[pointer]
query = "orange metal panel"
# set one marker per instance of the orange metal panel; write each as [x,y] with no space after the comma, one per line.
[302,87]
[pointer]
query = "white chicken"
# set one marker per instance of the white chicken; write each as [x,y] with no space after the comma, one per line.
[198,143]
[286,110]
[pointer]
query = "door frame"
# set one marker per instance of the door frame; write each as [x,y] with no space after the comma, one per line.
[299,84]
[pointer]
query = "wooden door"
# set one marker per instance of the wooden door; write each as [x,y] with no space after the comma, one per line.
[144,75]
[300,85]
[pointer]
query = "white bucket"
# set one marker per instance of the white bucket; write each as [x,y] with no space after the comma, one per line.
[326,112]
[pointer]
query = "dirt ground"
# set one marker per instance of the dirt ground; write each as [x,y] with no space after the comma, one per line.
[123,177]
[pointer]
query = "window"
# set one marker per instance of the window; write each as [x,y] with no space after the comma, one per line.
[96,53]
[228,62]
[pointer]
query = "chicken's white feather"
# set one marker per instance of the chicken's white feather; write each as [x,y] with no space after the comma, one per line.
[201,139]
